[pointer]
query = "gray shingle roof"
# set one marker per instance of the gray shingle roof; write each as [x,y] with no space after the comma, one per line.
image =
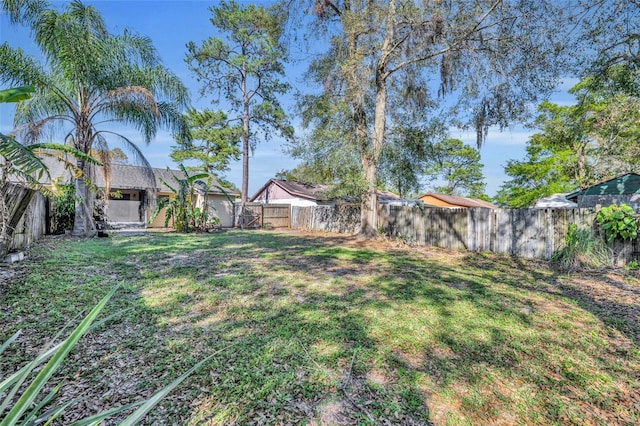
[126,176]
[298,189]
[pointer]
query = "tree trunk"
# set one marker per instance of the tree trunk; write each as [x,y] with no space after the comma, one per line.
[83,223]
[369,208]
[245,147]
[369,213]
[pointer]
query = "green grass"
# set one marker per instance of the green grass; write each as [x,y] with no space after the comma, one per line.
[319,329]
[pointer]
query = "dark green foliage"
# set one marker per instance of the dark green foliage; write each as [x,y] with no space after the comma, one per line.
[212,143]
[578,145]
[64,202]
[458,166]
[618,221]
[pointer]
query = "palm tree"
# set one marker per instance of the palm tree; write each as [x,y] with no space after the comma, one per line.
[91,81]
[23,164]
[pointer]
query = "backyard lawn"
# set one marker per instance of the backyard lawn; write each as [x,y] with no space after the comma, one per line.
[328,329]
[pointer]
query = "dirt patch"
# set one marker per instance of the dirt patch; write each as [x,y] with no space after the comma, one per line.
[614,297]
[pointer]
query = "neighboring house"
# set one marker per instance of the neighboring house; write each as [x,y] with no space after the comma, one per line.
[387,198]
[432,199]
[621,189]
[277,191]
[555,201]
[133,194]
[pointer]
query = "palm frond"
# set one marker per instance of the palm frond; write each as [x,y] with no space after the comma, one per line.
[18,68]
[55,149]
[22,159]
[138,157]
[23,11]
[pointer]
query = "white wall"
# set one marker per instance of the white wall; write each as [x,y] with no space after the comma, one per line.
[220,207]
[298,202]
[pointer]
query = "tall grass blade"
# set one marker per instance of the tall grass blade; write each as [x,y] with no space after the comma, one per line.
[9,381]
[40,406]
[30,394]
[55,412]
[9,341]
[97,418]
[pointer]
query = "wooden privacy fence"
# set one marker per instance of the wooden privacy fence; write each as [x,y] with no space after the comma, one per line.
[258,215]
[528,233]
[341,218]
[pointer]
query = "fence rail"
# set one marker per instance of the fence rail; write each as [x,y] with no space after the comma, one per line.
[528,233]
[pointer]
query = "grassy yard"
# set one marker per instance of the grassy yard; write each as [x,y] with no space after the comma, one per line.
[330,330]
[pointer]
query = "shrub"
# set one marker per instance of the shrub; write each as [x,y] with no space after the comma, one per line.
[582,249]
[618,221]
[64,208]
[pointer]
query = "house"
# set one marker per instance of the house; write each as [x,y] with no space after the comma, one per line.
[387,198]
[555,201]
[279,191]
[133,193]
[621,189]
[432,199]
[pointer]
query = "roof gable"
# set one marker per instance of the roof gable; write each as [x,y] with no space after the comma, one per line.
[296,190]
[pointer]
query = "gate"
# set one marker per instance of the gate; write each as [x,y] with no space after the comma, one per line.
[258,215]
[276,216]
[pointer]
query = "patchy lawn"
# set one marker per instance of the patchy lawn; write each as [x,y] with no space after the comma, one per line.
[326,329]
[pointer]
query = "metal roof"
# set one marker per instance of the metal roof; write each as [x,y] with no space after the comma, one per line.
[621,185]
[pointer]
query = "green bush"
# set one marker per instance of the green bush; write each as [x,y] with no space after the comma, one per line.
[618,221]
[582,249]
[64,208]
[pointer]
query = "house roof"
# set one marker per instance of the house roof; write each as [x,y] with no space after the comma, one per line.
[386,196]
[126,176]
[313,192]
[555,200]
[621,185]
[316,192]
[460,201]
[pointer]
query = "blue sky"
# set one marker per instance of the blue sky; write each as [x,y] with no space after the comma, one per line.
[171,24]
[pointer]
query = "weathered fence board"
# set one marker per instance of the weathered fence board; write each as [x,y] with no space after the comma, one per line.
[260,215]
[528,233]
[342,218]
[276,215]
[26,214]
[32,225]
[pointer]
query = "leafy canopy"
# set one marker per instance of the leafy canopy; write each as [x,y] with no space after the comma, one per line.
[245,67]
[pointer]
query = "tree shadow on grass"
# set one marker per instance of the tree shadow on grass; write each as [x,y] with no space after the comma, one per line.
[315,329]
[606,296]
[329,322]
